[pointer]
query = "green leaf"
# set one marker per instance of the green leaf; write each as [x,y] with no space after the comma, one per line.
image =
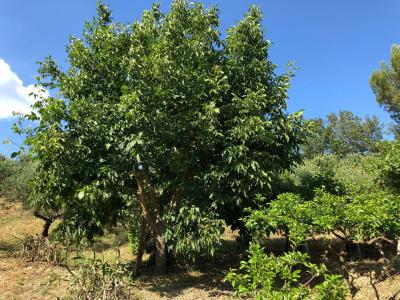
[81,195]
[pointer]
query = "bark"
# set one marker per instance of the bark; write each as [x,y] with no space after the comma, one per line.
[160,255]
[152,191]
[154,221]
[307,248]
[287,243]
[140,250]
[153,215]
[46,227]
[147,214]
[48,221]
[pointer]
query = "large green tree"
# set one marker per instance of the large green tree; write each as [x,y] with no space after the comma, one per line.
[342,134]
[386,85]
[165,122]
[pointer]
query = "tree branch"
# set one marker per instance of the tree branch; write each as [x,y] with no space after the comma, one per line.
[374,240]
[152,191]
[150,219]
[338,236]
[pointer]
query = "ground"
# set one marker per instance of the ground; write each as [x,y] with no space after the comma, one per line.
[19,279]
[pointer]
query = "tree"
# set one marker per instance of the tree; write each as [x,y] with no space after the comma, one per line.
[164,122]
[389,166]
[386,86]
[344,134]
[317,141]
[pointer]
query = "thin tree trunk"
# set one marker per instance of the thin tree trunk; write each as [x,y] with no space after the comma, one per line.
[287,243]
[48,221]
[160,255]
[307,248]
[140,250]
[359,252]
[46,227]
[155,222]
[153,216]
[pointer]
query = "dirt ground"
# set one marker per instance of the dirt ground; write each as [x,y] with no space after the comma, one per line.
[368,279]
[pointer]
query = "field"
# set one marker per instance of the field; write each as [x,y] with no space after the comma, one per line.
[19,279]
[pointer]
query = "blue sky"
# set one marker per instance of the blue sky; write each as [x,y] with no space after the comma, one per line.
[335,44]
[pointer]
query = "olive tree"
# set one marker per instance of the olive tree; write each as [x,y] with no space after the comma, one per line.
[162,122]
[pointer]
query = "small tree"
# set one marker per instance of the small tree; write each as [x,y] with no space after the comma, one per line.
[164,118]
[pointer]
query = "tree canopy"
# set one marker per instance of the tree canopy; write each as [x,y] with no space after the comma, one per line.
[386,85]
[162,121]
[342,134]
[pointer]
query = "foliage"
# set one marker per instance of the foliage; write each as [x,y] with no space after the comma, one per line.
[192,232]
[343,134]
[37,248]
[389,166]
[266,276]
[317,143]
[15,176]
[319,173]
[97,280]
[386,85]
[159,113]
[7,167]
[351,175]
[358,218]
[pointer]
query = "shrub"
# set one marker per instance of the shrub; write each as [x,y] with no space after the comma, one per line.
[37,248]
[351,175]
[266,276]
[99,280]
[389,166]
[14,178]
[363,217]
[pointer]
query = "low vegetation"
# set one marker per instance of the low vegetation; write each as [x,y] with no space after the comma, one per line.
[166,159]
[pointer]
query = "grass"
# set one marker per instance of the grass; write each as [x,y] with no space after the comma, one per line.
[367,279]
[26,280]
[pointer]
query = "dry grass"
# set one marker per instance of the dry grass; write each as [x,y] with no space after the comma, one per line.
[368,279]
[26,280]
[19,279]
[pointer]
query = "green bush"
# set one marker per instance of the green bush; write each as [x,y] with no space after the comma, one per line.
[359,218]
[14,178]
[351,175]
[290,276]
[389,166]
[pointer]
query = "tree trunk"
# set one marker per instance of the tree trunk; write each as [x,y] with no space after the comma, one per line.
[287,243]
[140,250]
[48,221]
[46,227]
[155,223]
[160,255]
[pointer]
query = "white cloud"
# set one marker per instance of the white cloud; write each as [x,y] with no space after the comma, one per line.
[14,96]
